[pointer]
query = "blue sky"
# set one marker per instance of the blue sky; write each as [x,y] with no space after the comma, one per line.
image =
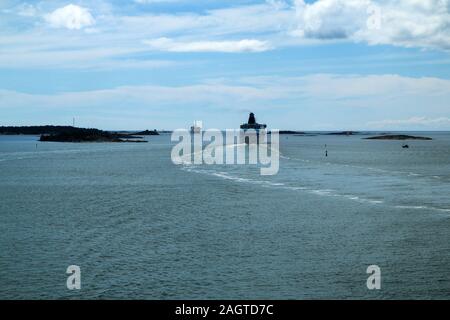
[306,65]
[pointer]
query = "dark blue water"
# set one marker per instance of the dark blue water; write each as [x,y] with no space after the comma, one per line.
[141,227]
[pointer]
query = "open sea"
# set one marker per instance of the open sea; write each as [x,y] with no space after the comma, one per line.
[141,227]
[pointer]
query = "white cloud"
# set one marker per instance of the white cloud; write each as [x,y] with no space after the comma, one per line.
[154,1]
[121,36]
[372,91]
[219,22]
[417,122]
[246,45]
[330,19]
[345,102]
[277,4]
[409,23]
[387,85]
[72,17]
[251,28]
[27,10]
[92,58]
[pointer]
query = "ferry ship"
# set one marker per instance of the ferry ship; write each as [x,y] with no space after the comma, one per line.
[197,127]
[252,124]
[254,128]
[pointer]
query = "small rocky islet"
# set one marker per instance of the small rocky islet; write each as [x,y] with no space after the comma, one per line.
[397,137]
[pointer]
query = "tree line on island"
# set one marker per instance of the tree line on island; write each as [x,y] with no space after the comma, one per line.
[74,134]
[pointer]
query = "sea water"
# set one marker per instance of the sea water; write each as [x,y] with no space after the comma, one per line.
[139,226]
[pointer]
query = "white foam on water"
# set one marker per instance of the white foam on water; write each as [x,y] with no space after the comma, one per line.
[321,192]
[17,158]
[318,192]
[423,208]
[315,191]
[329,192]
[390,172]
[411,207]
[235,145]
[376,201]
[276,184]
[227,177]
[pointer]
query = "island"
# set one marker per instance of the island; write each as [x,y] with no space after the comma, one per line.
[36,130]
[397,137]
[89,135]
[343,133]
[291,132]
[148,133]
[73,134]
[288,132]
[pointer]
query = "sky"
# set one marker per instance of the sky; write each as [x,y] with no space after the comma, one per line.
[300,65]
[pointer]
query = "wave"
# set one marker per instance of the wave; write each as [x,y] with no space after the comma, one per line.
[281,185]
[17,158]
[310,190]
[422,208]
[390,172]
[39,154]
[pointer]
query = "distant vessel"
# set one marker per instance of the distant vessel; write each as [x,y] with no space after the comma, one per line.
[252,124]
[197,127]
